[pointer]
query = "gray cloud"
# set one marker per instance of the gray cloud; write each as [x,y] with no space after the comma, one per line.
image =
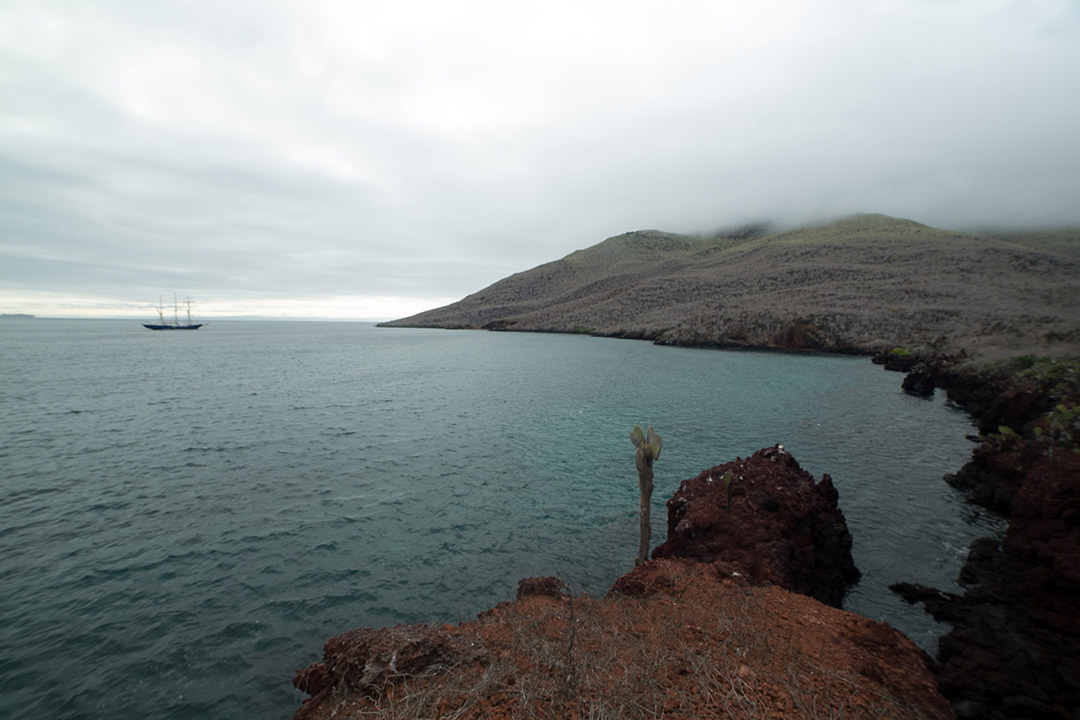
[320,153]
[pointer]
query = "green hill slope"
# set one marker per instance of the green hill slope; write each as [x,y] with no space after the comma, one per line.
[861,284]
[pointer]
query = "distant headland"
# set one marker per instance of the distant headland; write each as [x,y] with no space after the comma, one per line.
[864,284]
[15,316]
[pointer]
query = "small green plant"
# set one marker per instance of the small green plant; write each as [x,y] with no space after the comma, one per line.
[648,446]
[1060,433]
[1004,440]
[1058,377]
[1062,429]
[900,352]
[728,478]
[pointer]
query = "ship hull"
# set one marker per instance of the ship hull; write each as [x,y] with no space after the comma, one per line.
[172,327]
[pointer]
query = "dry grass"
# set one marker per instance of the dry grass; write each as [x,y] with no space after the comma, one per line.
[658,657]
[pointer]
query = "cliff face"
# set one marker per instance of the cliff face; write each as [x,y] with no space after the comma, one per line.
[862,284]
[712,636]
[1014,650]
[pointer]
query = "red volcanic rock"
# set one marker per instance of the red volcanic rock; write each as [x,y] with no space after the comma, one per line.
[1044,539]
[1015,643]
[1014,649]
[694,645]
[782,527]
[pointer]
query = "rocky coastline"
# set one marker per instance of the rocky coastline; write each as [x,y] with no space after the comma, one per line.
[1013,651]
[772,521]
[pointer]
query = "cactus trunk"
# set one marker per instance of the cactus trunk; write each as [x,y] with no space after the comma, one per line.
[645,482]
[648,446]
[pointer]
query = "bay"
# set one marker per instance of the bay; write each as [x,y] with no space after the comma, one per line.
[189,515]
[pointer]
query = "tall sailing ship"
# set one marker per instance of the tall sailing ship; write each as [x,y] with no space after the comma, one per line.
[175,323]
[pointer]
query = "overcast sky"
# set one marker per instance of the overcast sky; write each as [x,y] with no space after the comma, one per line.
[367,160]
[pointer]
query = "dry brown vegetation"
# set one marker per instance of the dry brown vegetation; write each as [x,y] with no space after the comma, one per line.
[867,283]
[696,646]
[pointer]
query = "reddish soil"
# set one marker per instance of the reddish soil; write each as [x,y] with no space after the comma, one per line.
[690,642]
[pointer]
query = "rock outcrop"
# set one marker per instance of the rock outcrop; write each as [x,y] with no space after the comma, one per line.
[992,398]
[689,643]
[1014,648]
[781,528]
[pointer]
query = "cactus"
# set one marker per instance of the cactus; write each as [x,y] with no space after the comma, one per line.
[648,446]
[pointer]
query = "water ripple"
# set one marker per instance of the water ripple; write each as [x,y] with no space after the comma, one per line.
[187,519]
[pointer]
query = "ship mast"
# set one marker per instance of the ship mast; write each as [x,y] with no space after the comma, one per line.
[175,309]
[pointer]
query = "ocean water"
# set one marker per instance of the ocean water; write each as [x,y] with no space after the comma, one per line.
[188,516]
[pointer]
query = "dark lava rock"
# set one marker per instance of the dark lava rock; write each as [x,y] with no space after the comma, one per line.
[1015,408]
[992,398]
[897,362]
[994,401]
[991,478]
[918,383]
[1014,650]
[913,593]
[782,527]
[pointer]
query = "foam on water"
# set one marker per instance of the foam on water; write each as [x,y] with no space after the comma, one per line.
[188,516]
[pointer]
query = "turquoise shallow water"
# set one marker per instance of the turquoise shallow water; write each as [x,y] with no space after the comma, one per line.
[188,516]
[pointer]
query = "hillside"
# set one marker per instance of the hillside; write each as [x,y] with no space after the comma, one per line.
[861,284]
